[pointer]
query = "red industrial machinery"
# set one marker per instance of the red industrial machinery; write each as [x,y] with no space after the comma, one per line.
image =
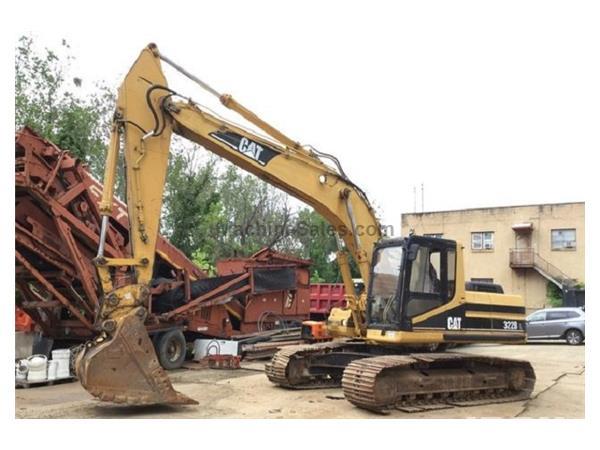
[23,322]
[265,291]
[57,227]
[278,292]
[324,297]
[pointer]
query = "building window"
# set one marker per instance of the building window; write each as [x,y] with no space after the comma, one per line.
[434,235]
[482,240]
[564,239]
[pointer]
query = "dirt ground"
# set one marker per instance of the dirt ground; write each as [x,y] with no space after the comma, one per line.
[246,393]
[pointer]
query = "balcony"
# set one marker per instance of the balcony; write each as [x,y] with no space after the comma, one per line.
[522,258]
[527,258]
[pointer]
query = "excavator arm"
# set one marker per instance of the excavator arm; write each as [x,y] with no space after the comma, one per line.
[121,365]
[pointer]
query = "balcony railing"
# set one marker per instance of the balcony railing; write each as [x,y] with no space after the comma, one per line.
[522,258]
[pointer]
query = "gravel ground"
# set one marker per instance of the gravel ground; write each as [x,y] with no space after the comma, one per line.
[246,393]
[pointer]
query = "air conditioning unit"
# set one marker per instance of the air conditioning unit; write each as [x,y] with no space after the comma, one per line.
[487,246]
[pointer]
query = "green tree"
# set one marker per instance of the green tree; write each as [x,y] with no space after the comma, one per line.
[255,215]
[206,215]
[192,208]
[56,106]
[204,261]
[554,295]
[318,242]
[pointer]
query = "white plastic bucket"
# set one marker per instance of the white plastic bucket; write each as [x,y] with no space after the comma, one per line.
[21,369]
[63,360]
[52,369]
[38,368]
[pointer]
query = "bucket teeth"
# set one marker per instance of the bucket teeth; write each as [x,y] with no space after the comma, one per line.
[124,369]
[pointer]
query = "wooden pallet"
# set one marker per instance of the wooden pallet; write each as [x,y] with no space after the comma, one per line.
[24,384]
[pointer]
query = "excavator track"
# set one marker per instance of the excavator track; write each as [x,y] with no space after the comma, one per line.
[424,381]
[288,367]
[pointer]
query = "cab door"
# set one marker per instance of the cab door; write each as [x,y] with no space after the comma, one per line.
[431,283]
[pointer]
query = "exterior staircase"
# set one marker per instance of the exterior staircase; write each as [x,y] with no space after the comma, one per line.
[528,258]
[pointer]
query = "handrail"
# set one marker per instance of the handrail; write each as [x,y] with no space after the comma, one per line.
[527,256]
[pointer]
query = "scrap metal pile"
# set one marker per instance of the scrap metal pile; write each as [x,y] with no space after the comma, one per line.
[57,226]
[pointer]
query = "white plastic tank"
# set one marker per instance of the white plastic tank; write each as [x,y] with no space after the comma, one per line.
[38,368]
[63,359]
[52,369]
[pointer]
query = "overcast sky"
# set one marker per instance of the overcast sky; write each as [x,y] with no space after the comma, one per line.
[486,105]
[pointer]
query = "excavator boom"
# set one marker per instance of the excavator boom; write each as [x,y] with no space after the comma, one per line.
[121,365]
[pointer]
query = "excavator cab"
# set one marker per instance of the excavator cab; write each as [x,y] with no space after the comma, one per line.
[416,304]
[409,277]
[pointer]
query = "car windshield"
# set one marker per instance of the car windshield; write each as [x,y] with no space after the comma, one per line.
[386,273]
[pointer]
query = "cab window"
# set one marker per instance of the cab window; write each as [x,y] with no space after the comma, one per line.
[425,276]
[451,257]
[432,279]
[383,309]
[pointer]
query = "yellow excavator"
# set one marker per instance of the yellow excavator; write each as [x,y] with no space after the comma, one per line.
[415,296]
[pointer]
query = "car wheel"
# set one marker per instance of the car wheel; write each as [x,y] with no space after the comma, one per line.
[573,337]
[171,349]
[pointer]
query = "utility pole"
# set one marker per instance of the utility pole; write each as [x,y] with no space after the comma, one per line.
[422,197]
[414,199]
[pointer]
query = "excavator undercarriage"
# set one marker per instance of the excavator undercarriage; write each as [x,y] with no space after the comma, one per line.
[319,365]
[382,378]
[421,381]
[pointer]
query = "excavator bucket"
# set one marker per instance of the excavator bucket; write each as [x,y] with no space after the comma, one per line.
[122,367]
